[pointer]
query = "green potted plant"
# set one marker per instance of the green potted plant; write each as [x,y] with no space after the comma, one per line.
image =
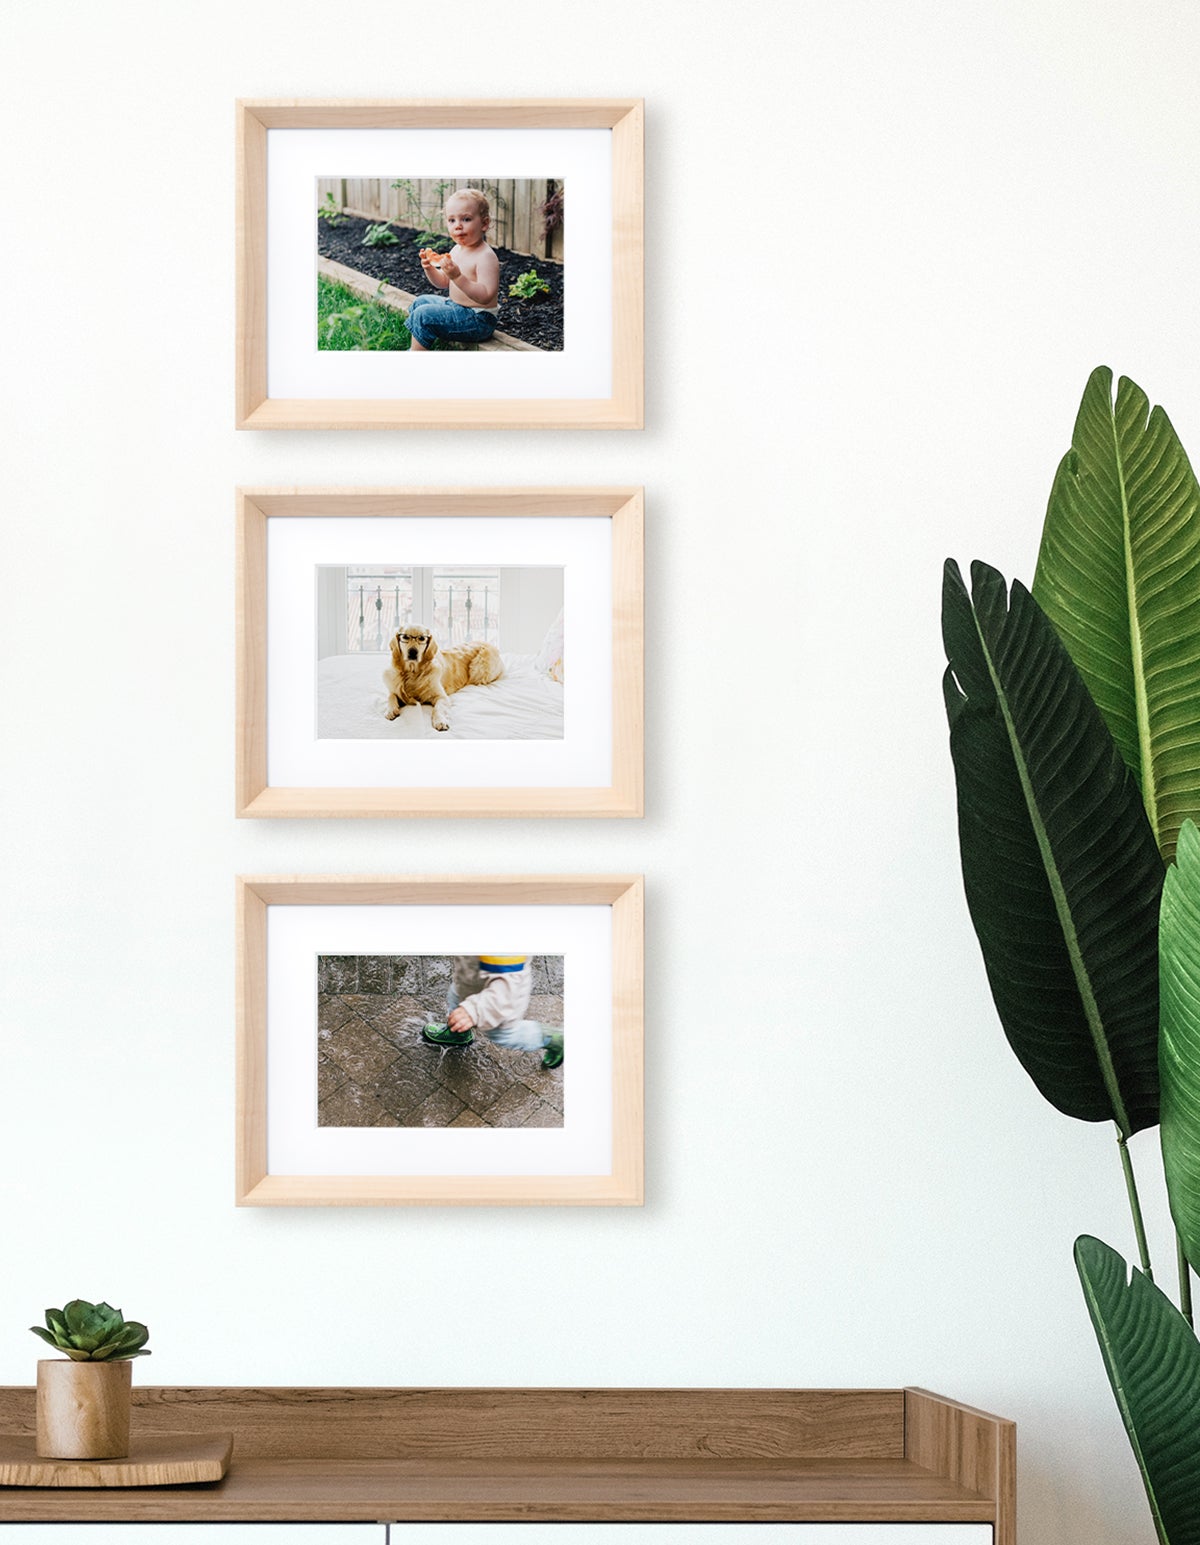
[1074,715]
[83,1398]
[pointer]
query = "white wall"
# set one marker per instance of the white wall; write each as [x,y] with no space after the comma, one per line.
[530,600]
[331,611]
[960,209]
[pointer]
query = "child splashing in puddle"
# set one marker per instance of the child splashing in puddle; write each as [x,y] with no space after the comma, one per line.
[470,271]
[491,993]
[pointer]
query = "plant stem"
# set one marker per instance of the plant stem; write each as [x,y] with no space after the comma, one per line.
[1185,1282]
[1135,1207]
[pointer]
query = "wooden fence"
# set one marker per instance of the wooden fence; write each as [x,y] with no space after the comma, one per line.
[517,221]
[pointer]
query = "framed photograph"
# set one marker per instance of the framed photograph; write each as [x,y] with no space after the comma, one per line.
[376,1065]
[430,652]
[423,265]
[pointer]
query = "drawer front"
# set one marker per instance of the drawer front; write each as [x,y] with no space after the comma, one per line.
[690,1534]
[192,1534]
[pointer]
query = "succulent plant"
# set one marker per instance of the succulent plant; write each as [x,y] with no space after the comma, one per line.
[93,1333]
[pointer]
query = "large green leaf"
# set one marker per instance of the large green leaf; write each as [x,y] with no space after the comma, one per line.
[1179,1037]
[1118,575]
[1153,1362]
[1062,874]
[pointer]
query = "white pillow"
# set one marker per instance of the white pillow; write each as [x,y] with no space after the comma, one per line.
[551,657]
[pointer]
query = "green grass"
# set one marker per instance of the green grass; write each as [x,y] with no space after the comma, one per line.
[347,321]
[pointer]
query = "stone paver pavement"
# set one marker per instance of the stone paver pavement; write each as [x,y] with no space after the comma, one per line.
[374,1070]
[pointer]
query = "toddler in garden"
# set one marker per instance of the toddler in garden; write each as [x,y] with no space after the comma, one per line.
[491,993]
[470,271]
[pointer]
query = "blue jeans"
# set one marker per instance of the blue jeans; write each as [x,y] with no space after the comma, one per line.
[437,316]
[521,1035]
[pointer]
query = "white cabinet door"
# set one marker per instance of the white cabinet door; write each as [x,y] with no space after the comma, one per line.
[192,1534]
[690,1534]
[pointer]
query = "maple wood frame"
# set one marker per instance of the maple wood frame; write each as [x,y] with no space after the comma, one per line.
[621,796]
[621,1186]
[622,409]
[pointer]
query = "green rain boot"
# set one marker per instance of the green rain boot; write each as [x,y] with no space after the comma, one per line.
[442,1035]
[553,1055]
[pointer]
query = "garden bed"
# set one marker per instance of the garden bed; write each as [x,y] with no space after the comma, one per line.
[538,322]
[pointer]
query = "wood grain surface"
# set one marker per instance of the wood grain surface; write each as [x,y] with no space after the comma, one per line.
[819,1491]
[492,1455]
[165,1459]
[83,1408]
[975,1449]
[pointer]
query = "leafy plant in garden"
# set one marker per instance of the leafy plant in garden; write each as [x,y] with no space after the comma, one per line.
[380,235]
[1074,717]
[329,211]
[93,1333]
[528,286]
[430,227]
[428,217]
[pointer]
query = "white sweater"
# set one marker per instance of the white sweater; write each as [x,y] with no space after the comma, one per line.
[493,990]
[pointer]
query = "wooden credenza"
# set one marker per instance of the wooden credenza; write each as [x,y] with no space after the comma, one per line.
[820,1467]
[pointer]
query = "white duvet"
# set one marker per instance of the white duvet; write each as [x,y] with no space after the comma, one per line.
[352,700]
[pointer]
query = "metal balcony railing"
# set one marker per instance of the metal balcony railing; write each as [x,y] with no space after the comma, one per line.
[463,609]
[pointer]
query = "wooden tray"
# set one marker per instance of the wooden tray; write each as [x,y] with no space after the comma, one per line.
[163,1459]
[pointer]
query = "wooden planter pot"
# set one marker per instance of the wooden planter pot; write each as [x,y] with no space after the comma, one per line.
[83,1409]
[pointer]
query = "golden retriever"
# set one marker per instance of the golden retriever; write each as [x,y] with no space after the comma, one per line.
[420,672]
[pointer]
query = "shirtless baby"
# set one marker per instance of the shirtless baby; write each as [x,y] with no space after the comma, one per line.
[470,271]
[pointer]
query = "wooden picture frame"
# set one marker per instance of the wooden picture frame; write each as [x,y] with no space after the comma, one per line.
[619,789]
[615,1179]
[620,408]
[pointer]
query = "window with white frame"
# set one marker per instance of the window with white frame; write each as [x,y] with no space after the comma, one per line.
[378,599]
[360,606]
[464,604]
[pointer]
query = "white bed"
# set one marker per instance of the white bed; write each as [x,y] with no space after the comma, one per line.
[525,704]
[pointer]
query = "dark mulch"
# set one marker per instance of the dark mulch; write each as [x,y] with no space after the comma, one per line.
[539,322]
